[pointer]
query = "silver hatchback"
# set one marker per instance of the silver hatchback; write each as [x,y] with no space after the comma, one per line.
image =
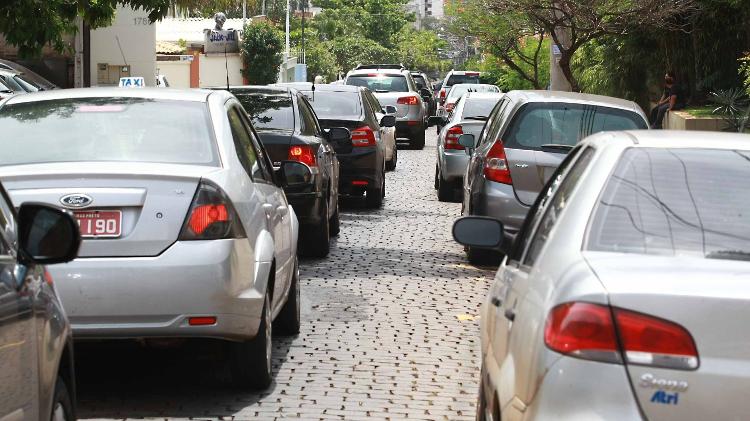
[626,295]
[524,140]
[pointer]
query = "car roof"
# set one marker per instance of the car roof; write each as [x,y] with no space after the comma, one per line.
[462,72]
[572,97]
[307,87]
[196,95]
[473,85]
[266,89]
[484,95]
[387,72]
[674,139]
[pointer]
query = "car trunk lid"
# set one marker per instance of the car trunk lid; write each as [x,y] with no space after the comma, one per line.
[391,98]
[276,142]
[150,201]
[530,171]
[710,298]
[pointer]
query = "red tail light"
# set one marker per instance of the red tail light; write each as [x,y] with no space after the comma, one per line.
[363,136]
[451,138]
[302,153]
[442,95]
[449,106]
[211,216]
[496,164]
[408,100]
[589,331]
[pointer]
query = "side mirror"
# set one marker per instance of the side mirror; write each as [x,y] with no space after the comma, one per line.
[478,231]
[388,120]
[46,235]
[293,174]
[390,109]
[340,138]
[426,94]
[436,120]
[466,140]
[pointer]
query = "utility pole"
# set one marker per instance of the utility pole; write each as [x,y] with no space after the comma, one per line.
[302,53]
[287,30]
[244,13]
[557,80]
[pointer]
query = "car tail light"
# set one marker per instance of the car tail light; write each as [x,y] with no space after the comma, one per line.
[442,95]
[408,100]
[449,106]
[591,331]
[211,216]
[363,136]
[496,164]
[451,137]
[302,153]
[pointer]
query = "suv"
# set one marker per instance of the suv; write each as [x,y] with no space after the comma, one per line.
[454,77]
[394,85]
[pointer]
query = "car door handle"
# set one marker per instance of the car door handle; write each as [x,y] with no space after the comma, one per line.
[510,315]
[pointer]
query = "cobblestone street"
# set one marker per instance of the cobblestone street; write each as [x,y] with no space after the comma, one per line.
[389,329]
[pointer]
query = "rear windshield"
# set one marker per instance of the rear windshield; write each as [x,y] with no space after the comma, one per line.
[380,83]
[419,80]
[336,105]
[458,90]
[268,111]
[538,124]
[474,108]
[456,79]
[676,201]
[107,129]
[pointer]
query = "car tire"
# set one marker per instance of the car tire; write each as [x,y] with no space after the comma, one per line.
[62,405]
[445,190]
[250,361]
[317,241]
[335,224]
[417,142]
[391,165]
[288,320]
[374,197]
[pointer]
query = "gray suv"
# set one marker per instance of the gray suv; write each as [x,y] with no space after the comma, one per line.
[394,85]
[36,347]
[525,138]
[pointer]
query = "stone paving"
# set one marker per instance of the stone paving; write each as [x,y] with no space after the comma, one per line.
[389,330]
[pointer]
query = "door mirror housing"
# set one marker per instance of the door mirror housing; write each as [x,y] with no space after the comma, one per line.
[478,231]
[293,174]
[388,120]
[390,109]
[436,120]
[340,139]
[47,235]
[466,140]
[426,94]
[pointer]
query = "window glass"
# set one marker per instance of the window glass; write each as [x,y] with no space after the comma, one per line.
[380,82]
[538,124]
[308,120]
[337,105]
[267,110]
[477,108]
[674,202]
[420,81]
[560,189]
[374,103]
[243,144]
[492,127]
[456,79]
[458,91]
[107,129]
[26,84]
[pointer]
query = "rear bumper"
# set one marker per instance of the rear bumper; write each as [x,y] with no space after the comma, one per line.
[308,206]
[362,165]
[135,297]
[410,128]
[453,164]
[499,201]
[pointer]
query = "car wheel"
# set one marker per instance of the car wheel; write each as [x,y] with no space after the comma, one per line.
[335,224]
[317,241]
[62,406]
[417,142]
[436,177]
[445,190]
[288,320]
[391,165]
[374,197]
[251,360]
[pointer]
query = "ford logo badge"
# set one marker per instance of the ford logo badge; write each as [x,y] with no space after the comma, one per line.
[76,200]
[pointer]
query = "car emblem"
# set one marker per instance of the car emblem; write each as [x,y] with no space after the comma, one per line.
[76,200]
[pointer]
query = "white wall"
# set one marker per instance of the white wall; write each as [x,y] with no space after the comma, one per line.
[137,39]
[176,72]
[213,71]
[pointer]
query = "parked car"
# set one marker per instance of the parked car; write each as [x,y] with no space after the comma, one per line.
[37,379]
[187,232]
[423,82]
[290,130]
[469,116]
[524,140]
[17,82]
[455,92]
[397,88]
[30,75]
[454,77]
[362,169]
[627,284]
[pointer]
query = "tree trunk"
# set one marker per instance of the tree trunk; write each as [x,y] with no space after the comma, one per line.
[565,67]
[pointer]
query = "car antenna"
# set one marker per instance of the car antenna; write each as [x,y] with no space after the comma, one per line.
[313,91]
[226,65]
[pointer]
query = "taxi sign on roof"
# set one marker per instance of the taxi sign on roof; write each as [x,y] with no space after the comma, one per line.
[132,82]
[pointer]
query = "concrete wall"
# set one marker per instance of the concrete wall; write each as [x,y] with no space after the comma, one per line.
[682,120]
[213,71]
[176,72]
[138,41]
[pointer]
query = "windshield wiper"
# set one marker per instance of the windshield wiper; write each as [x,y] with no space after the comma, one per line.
[554,147]
[477,117]
[729,255]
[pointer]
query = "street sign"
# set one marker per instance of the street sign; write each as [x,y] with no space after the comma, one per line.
[556,50]
[132,82]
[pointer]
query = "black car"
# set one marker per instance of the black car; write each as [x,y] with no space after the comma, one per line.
[289,130]
[423,82]
[363,167]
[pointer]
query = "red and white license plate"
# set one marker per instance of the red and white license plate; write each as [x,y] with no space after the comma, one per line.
[99,224]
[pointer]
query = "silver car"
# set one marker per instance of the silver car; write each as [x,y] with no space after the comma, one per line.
[455,93]
[468,117]
[186,233]
[396,87]
[626,295]
[523,141]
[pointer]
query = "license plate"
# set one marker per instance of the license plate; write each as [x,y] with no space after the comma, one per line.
[99,223]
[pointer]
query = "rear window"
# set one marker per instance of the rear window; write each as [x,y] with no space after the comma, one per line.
[538,124]
[420,81]
[336,105]
[107,129]
[675,201]
[458,90]
[456,79]
[479,107]
[380,82]
[268,111]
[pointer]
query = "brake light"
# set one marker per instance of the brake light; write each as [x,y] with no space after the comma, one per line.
[302,153]
[496,164]
[408,100]
[449,106]
[363,136]
[442,95]
[451,137]
[590,331]
[472,73]
[211,216]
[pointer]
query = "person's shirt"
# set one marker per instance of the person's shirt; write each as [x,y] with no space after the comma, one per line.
[676,90]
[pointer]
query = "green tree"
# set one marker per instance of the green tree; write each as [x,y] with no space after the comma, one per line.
[377,20]
[261,48]
[419,50]
[350,52]
[321,61]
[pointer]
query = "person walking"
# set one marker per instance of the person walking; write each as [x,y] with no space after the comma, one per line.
[672,99]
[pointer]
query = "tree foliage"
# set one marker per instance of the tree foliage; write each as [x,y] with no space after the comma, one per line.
[419,50]
[261,48]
